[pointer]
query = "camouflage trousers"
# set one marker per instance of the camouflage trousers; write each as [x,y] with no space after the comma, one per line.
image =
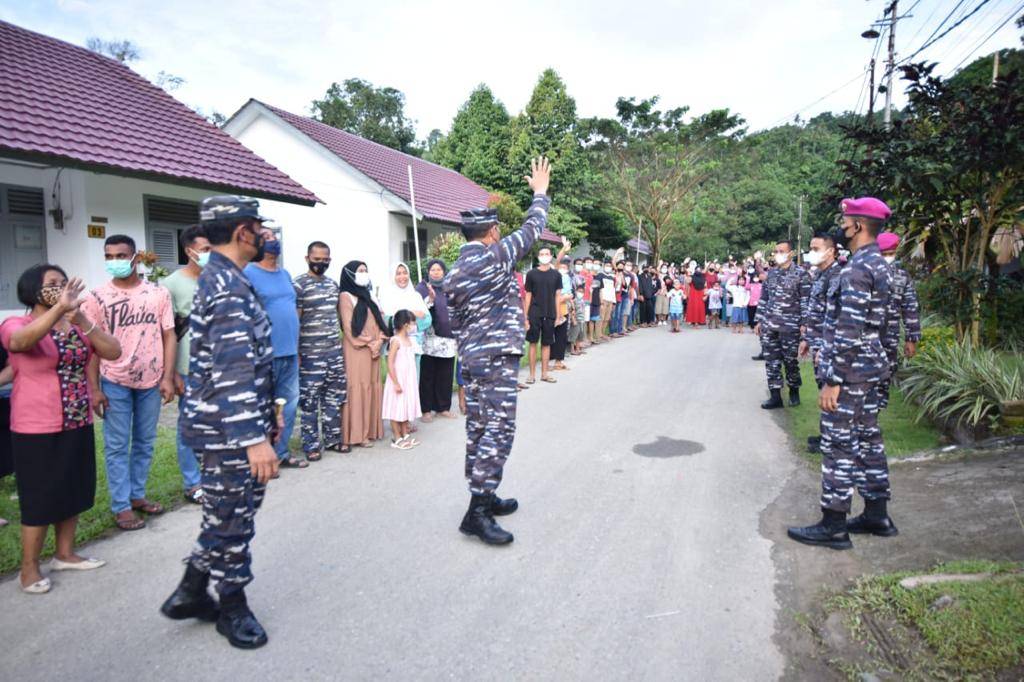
[490,419]
[893,355]
[852,451]
[231,497]
[780,348]
[323,389]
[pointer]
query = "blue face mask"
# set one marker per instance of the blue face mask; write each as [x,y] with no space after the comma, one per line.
[273,248]
[119,269]
[202,259]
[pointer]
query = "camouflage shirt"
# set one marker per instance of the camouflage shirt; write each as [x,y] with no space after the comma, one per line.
[229,397]
[856,303]
[783,306]
[816,304]
[903,307]
[483,295]
[319,326]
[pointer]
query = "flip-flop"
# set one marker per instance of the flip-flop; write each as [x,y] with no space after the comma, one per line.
[314,457]
[135,523]
[148,507]
[531,382]
[401,444]
[294,463]
[550,380]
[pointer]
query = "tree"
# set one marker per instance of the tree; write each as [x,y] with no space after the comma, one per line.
[478,143]
[654,163]
[123,51]
[953,171]
[377,114]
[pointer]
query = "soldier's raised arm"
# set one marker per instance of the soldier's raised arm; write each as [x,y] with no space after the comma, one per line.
[515,246]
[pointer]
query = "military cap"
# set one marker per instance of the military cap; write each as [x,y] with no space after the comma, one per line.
[866,207]
[229,207]
[477,219]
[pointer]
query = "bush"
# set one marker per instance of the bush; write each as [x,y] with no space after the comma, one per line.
[943,335]
[959,384]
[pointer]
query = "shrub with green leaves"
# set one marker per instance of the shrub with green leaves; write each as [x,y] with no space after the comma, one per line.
[959,383]
[937,335]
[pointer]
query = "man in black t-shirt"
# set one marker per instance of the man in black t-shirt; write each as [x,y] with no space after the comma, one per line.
[542,286]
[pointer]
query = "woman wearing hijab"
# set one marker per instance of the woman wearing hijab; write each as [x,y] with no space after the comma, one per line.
[695,302]
[402,295]
[364,336]
[438,363]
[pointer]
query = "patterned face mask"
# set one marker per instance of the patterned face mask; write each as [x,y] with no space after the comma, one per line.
[49,295]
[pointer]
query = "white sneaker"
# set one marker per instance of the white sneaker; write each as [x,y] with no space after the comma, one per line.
[83,565]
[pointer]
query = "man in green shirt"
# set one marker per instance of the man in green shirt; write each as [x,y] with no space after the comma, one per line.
[182,285]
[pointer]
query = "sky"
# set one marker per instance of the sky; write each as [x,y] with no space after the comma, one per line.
[767,61]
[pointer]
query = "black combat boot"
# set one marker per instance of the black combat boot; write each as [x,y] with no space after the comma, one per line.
[829,532]
[237,623]
[794,396]
[500,507]
[759,356]
[190,599]
[775,402]
[813,444]
[479,521]
[875,520]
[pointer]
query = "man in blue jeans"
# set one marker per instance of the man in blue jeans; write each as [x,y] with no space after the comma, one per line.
[182,284]
[276,292]
[127,392]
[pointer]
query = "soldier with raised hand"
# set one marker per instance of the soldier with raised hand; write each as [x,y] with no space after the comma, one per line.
[229,421]
[904,310]
[780,318]
[487,319]
[852,365]
[824,258]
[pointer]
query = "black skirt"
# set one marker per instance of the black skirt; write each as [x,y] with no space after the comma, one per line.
[55,474]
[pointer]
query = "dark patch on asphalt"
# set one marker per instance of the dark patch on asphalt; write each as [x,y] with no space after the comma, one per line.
[668,447]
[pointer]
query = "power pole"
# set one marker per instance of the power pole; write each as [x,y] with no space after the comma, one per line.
[995,68]
[799,225]
[871,95]
[891,65]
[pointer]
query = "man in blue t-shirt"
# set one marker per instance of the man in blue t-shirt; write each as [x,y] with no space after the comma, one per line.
[276,292]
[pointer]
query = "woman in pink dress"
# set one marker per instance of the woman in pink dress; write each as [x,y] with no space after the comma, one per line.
[401,390]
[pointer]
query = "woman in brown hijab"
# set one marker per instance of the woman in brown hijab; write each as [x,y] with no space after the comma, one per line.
[364,336]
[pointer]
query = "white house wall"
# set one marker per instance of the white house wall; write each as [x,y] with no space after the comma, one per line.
[353,220]
[86,194]
[399,229]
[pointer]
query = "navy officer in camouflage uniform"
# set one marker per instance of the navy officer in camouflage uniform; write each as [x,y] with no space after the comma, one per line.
[780,316]
[228,420]
[323,388]
[904,310]
[852,365]
[823,257]
[487,319]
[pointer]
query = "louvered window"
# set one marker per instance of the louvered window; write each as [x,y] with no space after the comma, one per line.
[165,220]
[23,201]
[22,238]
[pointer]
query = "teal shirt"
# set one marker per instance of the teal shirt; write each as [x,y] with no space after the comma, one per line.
[183,291]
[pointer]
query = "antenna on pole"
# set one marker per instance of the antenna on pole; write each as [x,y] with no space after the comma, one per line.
[415,227]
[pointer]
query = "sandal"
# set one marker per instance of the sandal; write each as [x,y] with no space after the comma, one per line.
[531,382]
[520,386]
[550,380]
[314,457]
[344,449]
[290,462]
[400,444]
[367,444]
[127,520]
[195,495]
[147,507]
[411,441]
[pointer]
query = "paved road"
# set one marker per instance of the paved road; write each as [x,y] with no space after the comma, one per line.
[625,565]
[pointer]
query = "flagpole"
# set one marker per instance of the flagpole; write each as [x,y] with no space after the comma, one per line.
[639,231]
[415,227]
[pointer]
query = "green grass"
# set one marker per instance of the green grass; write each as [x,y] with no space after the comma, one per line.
[903,434]
[164,487]
[980,633]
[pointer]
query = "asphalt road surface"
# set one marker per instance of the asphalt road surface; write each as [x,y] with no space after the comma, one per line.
[641,476]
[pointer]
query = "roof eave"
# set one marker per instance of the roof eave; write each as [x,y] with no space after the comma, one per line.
[57,160]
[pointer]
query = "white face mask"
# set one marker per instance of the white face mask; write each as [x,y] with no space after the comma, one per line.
[890,259]
[814,257]
[544,260]
[578,268]
[607,270]
[664,271]
[362,279]
[781,258]
[563,271]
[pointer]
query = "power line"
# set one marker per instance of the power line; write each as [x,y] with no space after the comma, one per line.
[982,18]
[820,99]
[924,23]
[942,35]
[1012,15]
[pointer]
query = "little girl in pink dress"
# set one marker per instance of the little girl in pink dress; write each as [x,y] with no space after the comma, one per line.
[401,390]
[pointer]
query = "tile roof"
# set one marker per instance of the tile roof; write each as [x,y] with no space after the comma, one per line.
[64,104]
[440,192]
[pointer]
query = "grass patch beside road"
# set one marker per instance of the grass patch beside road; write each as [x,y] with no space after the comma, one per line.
[164,487]
[970,629]
[903,435]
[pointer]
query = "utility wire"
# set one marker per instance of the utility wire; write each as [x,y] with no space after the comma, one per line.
[924,23]
[1012,15]
[942,35]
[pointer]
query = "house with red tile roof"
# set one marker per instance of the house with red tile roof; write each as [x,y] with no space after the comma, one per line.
[89,148]
[367,205]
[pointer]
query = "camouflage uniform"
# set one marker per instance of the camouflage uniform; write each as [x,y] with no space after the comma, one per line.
[903,307]
[228,407]
[323,388]
[816,305]
[487,319]
[853,358]
[781,313]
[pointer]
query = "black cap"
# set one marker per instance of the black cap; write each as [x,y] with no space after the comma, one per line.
[229,207]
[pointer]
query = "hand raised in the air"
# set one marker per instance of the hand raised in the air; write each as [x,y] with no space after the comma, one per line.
[540,175]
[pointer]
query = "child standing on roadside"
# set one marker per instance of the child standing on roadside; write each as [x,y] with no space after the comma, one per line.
[675,307]
[401,390]
[714,297]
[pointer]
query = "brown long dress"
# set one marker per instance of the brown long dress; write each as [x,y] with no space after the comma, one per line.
[361,416]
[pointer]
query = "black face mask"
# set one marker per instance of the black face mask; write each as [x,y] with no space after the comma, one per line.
[261,246]
[318,269]
[838,235]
